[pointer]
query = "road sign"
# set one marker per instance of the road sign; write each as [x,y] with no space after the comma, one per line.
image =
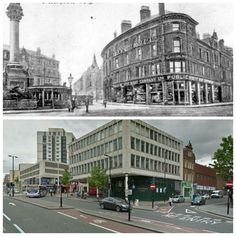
[229,184]
[152,186]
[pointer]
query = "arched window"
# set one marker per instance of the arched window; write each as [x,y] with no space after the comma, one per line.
[176,45]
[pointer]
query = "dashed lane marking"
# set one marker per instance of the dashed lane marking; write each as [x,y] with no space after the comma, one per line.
[104,228]
[99,221]
[6,217]
[83,216]
[18,228]
[67,215]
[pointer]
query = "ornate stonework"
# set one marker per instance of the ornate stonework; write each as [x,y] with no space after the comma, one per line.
[15,11]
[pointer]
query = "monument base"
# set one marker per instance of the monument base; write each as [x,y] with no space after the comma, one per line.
[16,76]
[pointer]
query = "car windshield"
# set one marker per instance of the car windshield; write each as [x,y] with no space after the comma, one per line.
[32,191]
[119,200]
[197,198]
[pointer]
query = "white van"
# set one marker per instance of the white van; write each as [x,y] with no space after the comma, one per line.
[217,194]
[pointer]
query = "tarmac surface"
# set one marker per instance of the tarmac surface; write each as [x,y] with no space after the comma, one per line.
[217,210]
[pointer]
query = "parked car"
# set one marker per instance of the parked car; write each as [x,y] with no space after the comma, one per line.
[178,198]
[16,190]
[34,193]
[198,200]
[114,203]
[217,194]
[206,196]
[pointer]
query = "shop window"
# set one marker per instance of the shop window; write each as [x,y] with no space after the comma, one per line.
[176,45]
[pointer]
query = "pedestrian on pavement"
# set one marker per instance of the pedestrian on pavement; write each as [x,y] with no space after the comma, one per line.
[105,103]
[73,105]
[87,104]
[170,201]
[69,105]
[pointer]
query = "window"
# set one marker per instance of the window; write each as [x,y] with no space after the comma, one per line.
[119,143]
[142,146]
[117,63]
[137,161]
[132,143]
[153,70]
[176,45]
[132,160]
[153,32]
[177,66]
[175,26]
[137,144]
[158,69]
[127,59]
[139,53]
[154,49]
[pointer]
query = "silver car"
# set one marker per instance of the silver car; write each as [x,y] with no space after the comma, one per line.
[178,198]
[33,193]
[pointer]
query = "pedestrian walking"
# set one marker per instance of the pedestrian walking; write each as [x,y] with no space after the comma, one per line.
[105,103]
[170,201]
[69,105]
[73,105]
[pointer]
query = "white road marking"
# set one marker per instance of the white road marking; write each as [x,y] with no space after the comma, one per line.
[67,215]
[99,221]
[18,228]
[82,216]
[189,211]
[104,228]
[11,203]
[170,209]
[228,221]
[146,221]
[6,217]
[208,231]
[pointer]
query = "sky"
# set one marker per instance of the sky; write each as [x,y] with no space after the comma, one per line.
[74,31]
[20,136]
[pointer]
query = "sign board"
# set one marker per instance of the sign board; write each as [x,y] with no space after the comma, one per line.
[129,192]
[152,186]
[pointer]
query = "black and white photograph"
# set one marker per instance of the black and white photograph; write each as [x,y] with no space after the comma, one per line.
[118,176]
[117,59]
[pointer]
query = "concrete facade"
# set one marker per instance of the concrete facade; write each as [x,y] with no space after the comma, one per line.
[162,60]
[137,152]
[42,173]
[52,145]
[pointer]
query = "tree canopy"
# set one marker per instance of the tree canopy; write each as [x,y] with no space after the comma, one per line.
[98,177]
[65,180]
[223,159]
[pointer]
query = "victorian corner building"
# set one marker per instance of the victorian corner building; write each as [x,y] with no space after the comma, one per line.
[162,60]
[130,152]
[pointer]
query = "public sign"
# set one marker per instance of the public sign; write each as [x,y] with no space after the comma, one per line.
[152,186]
[229,184]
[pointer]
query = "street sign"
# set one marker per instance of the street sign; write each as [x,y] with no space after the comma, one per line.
[229,184]
[129,192]
[152,186]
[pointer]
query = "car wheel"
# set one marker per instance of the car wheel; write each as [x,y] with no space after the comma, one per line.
[102,206]
[118,208]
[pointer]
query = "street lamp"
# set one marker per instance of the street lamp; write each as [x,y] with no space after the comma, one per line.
[13,174]
[70,79]
[109,181]
[165,175]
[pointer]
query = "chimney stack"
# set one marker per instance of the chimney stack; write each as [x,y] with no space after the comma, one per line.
[145,13]
[125,25]
[161,9]
[115,34]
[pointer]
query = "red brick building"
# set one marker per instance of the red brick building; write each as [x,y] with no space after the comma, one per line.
[204,179]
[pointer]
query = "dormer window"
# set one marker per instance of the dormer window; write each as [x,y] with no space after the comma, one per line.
[175,26]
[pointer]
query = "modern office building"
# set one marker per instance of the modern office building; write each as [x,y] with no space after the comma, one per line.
[52,145]
[188,171]
[42,173]
[131,152]
[162,60]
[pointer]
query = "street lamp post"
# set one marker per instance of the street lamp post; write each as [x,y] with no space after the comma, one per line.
[165,175]
[109,181]
[13,174]
[70,79]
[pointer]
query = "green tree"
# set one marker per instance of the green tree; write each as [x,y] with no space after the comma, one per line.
[223,159]
[66,177]
[98,178]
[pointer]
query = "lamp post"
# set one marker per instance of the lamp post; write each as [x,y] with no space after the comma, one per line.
[70,79]
[13,174]
[109,181]
[165,175]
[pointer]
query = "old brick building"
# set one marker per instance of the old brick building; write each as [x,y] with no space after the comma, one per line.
[162,60]
[204,179]
[188,170]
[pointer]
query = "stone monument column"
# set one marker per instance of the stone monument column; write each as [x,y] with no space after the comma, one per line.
[15,13]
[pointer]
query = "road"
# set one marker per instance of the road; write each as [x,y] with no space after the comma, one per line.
[20,217]
[113,109]
[180,217]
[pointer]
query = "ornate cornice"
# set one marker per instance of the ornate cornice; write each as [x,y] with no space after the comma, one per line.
[15,11]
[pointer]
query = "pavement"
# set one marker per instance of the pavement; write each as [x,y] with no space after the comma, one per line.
[121,109]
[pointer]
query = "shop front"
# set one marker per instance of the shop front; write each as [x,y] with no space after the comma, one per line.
[187,189]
